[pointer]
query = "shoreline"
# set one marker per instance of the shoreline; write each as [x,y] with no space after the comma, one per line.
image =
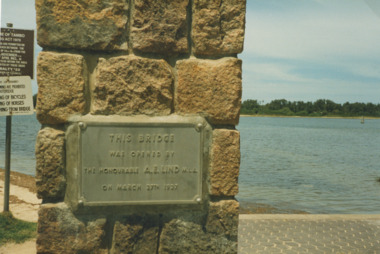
[21,180]
[325,117]
[258,208]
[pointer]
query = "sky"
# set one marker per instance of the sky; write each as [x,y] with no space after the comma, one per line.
[312,49]
[294,49]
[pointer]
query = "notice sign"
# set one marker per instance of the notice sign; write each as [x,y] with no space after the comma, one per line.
[140,164]
[136,160]
[16,52]
[16,96]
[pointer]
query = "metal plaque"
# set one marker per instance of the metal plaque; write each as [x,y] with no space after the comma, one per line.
[140,162]
[16,52]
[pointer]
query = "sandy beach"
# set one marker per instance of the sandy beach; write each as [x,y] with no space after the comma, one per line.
[24,205]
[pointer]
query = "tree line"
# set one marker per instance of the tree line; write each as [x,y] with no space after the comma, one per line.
[321,107]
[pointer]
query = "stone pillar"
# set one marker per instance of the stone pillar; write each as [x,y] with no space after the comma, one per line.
[139,58]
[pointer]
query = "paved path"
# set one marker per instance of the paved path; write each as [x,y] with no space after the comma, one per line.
[272,233]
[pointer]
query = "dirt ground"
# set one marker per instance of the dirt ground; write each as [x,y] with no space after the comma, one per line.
[23,204]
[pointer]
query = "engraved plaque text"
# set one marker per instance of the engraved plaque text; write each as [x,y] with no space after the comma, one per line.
[139,163]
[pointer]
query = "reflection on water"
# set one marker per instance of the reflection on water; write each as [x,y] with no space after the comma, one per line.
[311,164]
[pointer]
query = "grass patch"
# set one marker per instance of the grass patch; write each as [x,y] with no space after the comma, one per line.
[14,230]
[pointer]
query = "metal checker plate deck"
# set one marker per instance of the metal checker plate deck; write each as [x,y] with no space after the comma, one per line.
[132,163]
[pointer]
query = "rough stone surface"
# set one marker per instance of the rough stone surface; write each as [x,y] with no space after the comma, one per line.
[223,218]
[110,77]
[132,85]
[59,231]
[61,87]
[50,163]
[218,26]
[160,26]
[210,87]
[136,234]
[225,163]
[82,24]
[184,236]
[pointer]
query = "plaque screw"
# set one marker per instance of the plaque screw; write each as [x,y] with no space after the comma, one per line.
[80,203]
[198,200]
[199,127]
[82,125]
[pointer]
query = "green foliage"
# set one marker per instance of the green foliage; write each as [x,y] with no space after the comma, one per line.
[250,107]
[302,113]
[280,112]
[14,230]
[321,107]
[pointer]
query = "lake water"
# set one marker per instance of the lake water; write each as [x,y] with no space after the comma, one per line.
[311,164]
[24,133]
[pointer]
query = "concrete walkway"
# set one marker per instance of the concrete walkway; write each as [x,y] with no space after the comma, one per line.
[276,233]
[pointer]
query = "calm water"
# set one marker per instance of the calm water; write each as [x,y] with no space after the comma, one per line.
[24,132]
[311,164]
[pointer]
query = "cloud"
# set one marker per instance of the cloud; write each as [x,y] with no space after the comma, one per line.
[340,91]
[275,72]
[374,5]
[19,12]
[317,35]
[299,49]
[312,48]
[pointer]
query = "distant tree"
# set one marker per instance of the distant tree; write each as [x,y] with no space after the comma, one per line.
[346,108]
[330,106]
[320,107]
[370,109]
[277,104]
[250,104]
[357,109]
[250,107]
